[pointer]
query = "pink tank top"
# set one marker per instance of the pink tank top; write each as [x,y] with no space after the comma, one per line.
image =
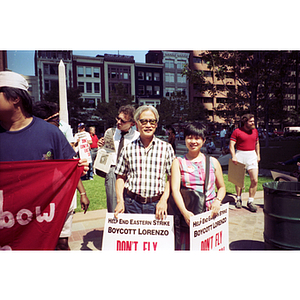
[193,177]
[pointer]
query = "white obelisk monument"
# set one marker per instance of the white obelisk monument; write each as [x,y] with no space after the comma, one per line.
[63,106]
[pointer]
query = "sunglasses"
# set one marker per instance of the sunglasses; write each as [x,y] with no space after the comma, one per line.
[145,121]
[122,121]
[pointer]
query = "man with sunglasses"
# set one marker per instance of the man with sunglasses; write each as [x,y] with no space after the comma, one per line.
[125,122]
[144,169]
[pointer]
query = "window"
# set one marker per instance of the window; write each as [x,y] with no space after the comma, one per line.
[149,76]
[141,90]
[156,90]
[149,90]
[170,77]
[113,73]
[180,64]
[169,91]
[169,63]
[156,77]
[96,72]
[207,73]
[50,69]
[197,60]
[80,71]
[96,87]
[47,85]
[181,79]
[140,75]
[88,72]
[50,84]
[125,75]
[89,87]
[81,86]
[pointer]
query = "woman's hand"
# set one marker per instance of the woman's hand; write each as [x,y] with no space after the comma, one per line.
[187,217]
[215,207]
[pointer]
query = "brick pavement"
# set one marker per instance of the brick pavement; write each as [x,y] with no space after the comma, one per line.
[245,228]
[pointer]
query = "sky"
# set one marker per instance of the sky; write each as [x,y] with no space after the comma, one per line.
[22,61]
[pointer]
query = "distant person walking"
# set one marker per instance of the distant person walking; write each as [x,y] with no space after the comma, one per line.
[246,141]
[94,147]
[223,133]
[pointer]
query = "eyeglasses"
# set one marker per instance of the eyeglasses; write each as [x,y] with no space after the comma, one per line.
[145,121]
[122,121]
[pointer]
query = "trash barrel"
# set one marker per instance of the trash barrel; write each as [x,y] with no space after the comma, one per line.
[282,215]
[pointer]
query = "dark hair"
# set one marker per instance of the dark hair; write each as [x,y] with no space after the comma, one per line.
[14,93]
[127,110]
[246,118]
[44,109]
[172,129]
[195,129]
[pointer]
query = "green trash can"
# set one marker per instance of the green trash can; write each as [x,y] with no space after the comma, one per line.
[282,215]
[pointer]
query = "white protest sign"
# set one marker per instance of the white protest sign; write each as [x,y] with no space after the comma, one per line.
[210,234]
[138,232]
[84,150]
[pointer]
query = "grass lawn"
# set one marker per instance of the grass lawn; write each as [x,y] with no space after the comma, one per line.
[277,151]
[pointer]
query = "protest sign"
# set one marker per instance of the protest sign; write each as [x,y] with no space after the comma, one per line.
[35,197]
[138,232]
[84,150]
[208,233]
[236,173]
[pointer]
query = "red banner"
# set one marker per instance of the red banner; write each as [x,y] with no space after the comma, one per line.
[35,197]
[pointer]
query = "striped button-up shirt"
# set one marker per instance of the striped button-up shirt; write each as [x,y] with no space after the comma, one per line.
[146,169]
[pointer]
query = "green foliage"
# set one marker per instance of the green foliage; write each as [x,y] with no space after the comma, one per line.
[260,78]
[109,110]
[176,109]
[76,107]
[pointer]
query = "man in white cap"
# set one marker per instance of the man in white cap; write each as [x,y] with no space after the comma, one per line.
[25,136]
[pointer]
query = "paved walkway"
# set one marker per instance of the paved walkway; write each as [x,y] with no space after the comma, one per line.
[245,228]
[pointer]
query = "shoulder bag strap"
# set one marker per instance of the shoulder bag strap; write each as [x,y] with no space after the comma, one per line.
[207,166]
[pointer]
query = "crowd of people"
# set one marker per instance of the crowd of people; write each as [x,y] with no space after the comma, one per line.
[144,172]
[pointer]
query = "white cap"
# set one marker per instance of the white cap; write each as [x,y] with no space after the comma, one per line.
[14,80]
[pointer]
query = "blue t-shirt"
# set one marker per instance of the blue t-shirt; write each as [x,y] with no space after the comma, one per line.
[38,141]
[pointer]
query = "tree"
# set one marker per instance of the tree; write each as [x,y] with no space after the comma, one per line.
[109,110]
[176,109]
[251,81]
[76,107]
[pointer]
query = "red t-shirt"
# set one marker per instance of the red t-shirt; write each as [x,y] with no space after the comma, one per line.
[95,141]
[245,141]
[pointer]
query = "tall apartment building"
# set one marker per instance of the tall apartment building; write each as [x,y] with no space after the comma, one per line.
[118,68]
[149,83]
[46,69]
[173,62]
[209,102]
[88,77]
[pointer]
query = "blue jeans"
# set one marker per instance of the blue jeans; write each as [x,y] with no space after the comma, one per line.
[134,207]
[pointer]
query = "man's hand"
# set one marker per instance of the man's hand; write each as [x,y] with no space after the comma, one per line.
[85,164]
[120,208]
[101,142]
[161,210]
[85,202]
[234,160]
